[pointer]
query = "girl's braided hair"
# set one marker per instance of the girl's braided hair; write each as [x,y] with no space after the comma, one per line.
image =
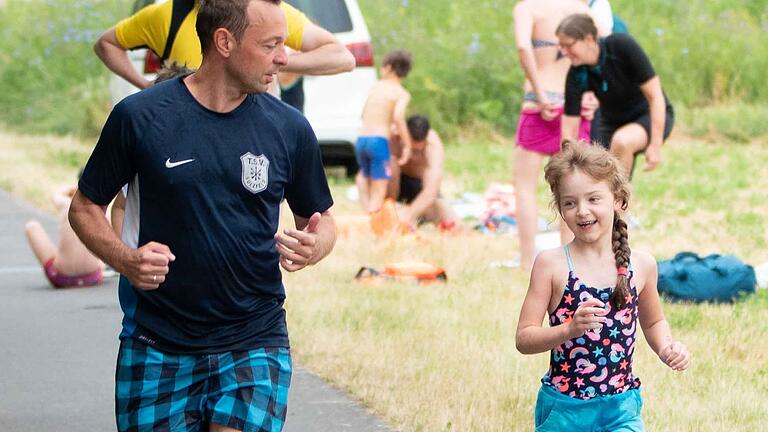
[599,164]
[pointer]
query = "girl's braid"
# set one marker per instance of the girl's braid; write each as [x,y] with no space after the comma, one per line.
[622,253]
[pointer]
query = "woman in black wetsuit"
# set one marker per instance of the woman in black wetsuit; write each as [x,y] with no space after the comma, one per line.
[636,114]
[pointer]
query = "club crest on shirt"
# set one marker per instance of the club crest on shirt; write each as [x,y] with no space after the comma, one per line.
[255,172]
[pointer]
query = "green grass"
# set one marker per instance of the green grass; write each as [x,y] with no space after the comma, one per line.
[399,348]
[705,52]
[442,357]
[710,55]
[34,166]
[473,161]
[50,79]
[735,121]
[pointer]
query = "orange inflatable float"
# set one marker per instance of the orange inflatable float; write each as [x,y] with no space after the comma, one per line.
[409,271]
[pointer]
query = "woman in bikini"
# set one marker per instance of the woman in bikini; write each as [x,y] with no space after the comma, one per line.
[538,131]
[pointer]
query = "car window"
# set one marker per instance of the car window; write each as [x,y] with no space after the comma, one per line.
[331,15]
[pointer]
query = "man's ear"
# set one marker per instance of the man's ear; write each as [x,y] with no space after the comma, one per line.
[223,42]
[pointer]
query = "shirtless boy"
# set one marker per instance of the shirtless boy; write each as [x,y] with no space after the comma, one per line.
[417,183]
[386,105]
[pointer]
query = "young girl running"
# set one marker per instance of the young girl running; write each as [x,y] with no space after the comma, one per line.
[595,290]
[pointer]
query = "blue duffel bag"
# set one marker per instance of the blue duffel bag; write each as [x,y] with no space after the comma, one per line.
[714,278]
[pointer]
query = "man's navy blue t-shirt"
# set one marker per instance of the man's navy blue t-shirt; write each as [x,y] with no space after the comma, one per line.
[208,185]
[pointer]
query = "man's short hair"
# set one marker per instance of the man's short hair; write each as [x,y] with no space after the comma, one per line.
[229,14]
[399,61]
[418,127]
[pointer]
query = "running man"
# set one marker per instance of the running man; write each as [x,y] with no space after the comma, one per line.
[208,157]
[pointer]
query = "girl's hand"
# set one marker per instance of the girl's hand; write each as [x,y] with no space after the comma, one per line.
[676,356]
[588,316]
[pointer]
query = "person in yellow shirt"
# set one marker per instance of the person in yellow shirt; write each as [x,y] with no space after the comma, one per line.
[319,52]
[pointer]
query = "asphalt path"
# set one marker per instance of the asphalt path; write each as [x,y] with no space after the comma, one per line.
[59,349]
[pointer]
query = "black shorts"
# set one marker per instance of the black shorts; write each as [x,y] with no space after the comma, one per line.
[602,132]
[410,187]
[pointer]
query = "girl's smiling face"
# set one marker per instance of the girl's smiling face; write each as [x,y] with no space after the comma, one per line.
[587,206]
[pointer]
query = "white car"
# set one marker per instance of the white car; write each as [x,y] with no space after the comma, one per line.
[333,104]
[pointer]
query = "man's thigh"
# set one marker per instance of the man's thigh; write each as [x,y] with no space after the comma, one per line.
[158,391]
[249,391]
[245,390]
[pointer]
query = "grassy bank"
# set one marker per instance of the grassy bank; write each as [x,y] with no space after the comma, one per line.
[466,68]
[50,79]
[707,53]
[33,167]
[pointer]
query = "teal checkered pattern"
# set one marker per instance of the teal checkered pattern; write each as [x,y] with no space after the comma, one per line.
[245,390]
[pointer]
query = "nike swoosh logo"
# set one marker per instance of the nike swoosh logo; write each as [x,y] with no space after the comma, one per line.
[169,164]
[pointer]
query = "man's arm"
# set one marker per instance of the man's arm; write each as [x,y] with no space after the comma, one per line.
[145,267]
[652,91]
[430,181]
[321,54]
[312,240]
[115,57]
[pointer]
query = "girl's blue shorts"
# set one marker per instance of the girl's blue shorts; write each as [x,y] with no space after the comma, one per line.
[616,413]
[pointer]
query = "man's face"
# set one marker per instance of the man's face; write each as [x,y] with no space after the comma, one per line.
[260,54]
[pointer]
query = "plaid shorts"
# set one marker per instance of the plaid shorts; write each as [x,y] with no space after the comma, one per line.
[244,390]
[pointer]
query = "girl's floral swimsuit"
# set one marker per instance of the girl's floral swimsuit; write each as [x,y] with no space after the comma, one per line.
[600,362]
